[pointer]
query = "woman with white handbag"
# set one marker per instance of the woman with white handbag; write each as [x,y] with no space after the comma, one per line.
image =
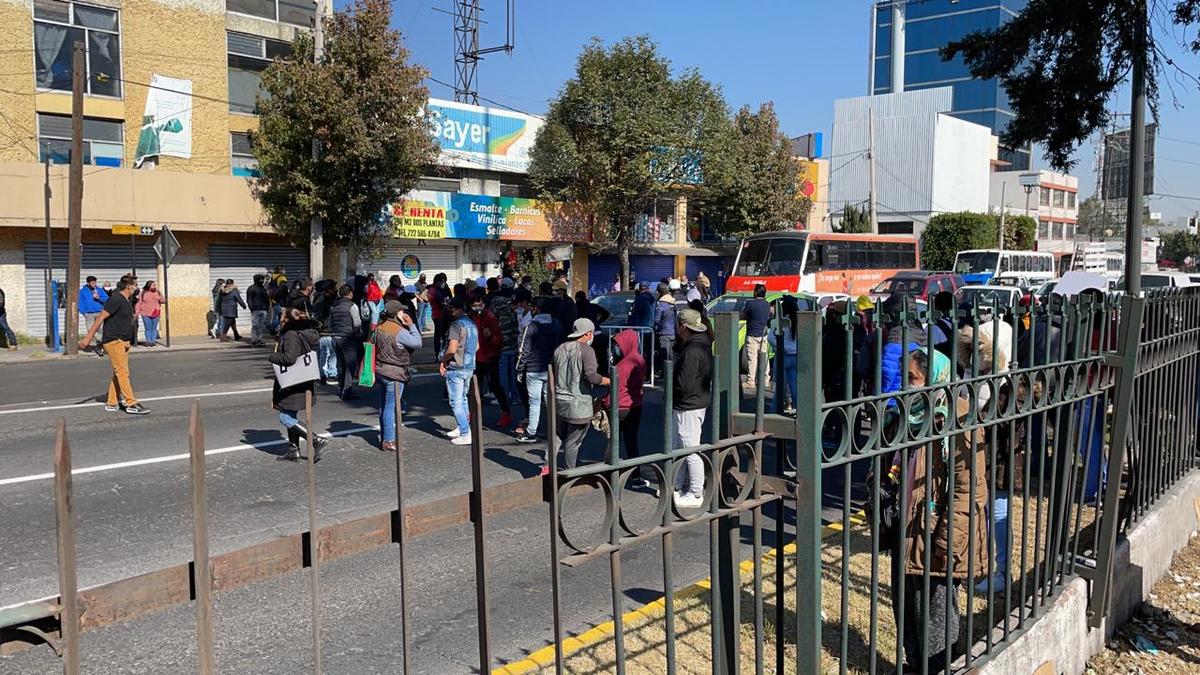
[296,372]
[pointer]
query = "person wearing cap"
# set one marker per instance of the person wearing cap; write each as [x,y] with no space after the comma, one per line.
[562,306]
[487,359]
[395,339]
[756,314]
[457,365]
[575,373]
[535,350]
[664,322]
[692,390]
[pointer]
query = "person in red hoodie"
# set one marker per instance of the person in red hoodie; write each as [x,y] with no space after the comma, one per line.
[487,359]
[630,375]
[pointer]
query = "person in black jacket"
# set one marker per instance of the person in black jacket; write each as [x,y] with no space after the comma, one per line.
[231,299]
[297,339]
[259,302]
[345,325]
[535,352]
[692,397]
[9,336]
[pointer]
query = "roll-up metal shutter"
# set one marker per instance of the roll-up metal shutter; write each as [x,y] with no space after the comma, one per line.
[241,262]
[106,262]
[429,260]
[602,269]
[652,268]
[711,266]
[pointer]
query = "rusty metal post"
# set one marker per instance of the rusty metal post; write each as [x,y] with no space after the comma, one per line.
[477,517]
[400,529]
[201,572]
[68,616]
[314,552]
[552,498]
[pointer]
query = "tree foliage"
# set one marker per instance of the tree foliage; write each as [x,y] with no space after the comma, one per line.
[624,131]
[757,186]
[948,233]
[363,103]
[1179,246]
[1095,223]
[1060,61]
[854,220]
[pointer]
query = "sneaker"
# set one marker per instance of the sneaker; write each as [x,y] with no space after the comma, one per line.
[527,438]
[13,348]
[461,440]
[638,483]
[505,420]
[114,408]
[292,454]
[687,501]
[136,409]
[453,433]
[998,584]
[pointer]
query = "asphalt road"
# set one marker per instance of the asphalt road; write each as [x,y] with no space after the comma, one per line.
[133,516]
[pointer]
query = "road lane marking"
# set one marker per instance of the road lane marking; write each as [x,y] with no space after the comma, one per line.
[233,392]
[172,458]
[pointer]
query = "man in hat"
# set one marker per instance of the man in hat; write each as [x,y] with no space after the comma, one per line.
[692,390]
[562,306]
[575,374]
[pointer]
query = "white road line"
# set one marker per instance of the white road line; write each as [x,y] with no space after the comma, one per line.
[172,458]
[234,392]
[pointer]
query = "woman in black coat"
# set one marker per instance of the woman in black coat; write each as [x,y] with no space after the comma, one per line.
[298,336]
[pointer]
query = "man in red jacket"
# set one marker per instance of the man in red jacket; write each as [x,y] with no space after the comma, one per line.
[630,375]
[487,359]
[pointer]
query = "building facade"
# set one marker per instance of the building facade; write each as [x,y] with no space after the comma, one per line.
[917,30]
[1054,203]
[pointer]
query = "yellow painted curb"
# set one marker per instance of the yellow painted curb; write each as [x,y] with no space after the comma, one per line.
[544,657]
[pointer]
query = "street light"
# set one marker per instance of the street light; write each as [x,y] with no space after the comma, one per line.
[1028,181]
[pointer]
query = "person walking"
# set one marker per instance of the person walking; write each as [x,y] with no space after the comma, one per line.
[10,337]
[91,303]
[395,339]
[535,353]
[231,299]
[297,339]
[664,323]
[279,296]
[756,314]
[259,302]
[372,306]
[439,296]
[149,307]
[630,371]
[116,321]
[421,291]
[487,360]
[692,396]
[457,365]
[345,327]
[575,373]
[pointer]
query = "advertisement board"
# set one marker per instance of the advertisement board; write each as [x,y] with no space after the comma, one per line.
[475,137]
[167,120]
[444,215]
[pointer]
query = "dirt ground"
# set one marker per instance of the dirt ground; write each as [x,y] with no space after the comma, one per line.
[1164,634]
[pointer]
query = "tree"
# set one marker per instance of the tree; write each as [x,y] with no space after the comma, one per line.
[854,220]
[948,233]
[1094,222]
[363,103]
[1180,246]
[757,188]
[1060,62]
[623,132]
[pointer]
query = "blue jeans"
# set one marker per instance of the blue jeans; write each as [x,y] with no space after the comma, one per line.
[1000,531]
[327,357]
[536,384]
[289,418]
[276,315]
[1091,447]
[457,384]
[508,375]
[9,335]
[151,324]
[789,374]
[387,409]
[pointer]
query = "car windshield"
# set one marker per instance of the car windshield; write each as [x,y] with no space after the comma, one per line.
[909,285]
[618,306]
[978,262]
[728,303]
[987,297]
[1155,281]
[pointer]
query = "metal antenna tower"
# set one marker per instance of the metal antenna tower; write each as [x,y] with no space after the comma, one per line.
[466,46]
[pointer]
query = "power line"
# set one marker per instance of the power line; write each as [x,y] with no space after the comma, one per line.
[484,98]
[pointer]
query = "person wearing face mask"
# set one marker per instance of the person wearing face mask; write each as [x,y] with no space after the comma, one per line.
[487,359]
[575,373]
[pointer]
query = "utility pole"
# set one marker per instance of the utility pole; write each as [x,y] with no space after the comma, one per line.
[1003,210]
[874,213]
[75,201]
[316,237]
[899,10]
[50,299]
[1137,156]
[871,57]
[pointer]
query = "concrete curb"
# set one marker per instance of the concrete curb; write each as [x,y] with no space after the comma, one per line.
[544,657]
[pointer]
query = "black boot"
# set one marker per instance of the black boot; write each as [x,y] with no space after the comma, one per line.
[293,451]
[317,443]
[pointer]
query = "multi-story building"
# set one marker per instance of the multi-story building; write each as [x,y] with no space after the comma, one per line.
[907,37]
[1053,202]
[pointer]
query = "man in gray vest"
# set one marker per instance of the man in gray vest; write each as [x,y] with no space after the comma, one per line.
[574,376]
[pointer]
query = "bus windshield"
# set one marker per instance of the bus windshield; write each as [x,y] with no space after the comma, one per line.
[976,262]
[770,257]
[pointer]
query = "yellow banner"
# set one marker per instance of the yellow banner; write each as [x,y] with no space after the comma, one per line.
[126,229]
[420,220]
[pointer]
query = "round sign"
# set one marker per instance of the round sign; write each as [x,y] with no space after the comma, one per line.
[410,266]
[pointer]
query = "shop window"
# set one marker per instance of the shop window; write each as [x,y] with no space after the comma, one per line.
[249,56]
[103,140]
[241,156]
[57,26]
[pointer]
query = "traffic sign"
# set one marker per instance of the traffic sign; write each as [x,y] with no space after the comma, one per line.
[166,246]
[144,230]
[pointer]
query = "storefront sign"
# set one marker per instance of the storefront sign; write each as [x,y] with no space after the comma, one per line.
[475,137]
[410,266]
[442,215]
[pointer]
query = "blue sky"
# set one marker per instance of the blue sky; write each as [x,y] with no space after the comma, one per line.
[800,54]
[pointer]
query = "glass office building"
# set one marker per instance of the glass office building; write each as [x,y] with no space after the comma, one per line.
[930,25]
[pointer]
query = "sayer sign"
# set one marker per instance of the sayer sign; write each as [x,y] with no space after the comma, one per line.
[475,137]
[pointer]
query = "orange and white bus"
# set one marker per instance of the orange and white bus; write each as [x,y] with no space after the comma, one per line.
[820,263]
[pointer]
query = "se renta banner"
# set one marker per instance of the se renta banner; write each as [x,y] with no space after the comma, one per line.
[475,137]
[444,215]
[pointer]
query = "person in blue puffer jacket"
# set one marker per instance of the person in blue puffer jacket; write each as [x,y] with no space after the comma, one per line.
[892,330]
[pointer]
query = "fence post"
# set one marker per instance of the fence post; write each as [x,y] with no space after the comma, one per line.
[68,614]
[477,517]
[314,550]
[808,492]
[400,527]
[1132,309]
[201,575]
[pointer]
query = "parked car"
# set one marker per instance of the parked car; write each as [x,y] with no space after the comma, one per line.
[990,296]
[919,284]
[618,304]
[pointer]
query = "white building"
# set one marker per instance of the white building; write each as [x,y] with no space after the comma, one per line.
[926,162]
[1053,202]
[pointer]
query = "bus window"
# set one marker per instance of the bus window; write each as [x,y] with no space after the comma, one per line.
[978,262]
[786,256]
[753,260]
[1005,263]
